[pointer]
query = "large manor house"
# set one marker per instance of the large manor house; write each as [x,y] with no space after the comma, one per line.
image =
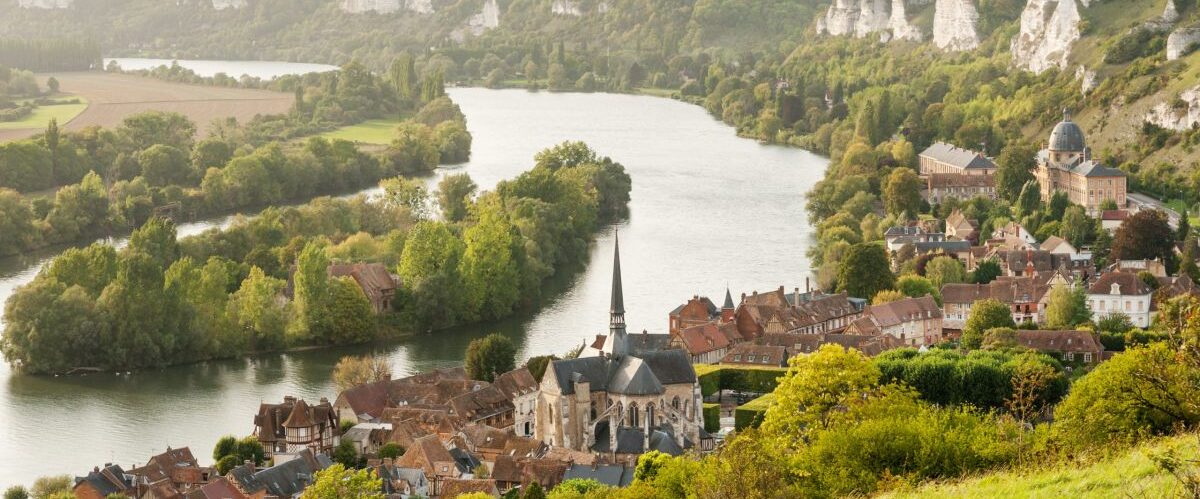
[1064,164]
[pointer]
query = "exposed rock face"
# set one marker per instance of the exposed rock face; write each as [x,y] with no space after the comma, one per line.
[954,24]
[228,4]
[898,23]
[1087,79]
[861,18]
[487,18]
[602,7]
[566,8]
[1170,13]
[1181,41]
[387,6]
[1173,116]
[1048,28]
[45,4]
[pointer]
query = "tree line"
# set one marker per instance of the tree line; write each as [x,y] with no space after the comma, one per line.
[58,54]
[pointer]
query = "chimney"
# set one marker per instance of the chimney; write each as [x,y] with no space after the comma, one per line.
[806,285]
[797,299]
[249,464]
[324,400]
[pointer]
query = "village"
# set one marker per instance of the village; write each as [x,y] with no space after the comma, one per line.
[442,434]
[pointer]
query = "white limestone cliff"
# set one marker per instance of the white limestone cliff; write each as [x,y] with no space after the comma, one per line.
[872,17]
[45,4]
[1087,79]
[839,20]
[487,18]
[1181,42]
[387,6]
[1178,116]
[1048,28]
[1170,13]
[228,4]
[566,8]
[898,23]
[602,7]
[858,18]
[954,25]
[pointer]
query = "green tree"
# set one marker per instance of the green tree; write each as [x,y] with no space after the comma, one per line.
[391,450]
[1030,199]
[345,454]
[986,271]
[902,193]
[255,309]
[1077,227]
[17,223]
[943,270]
[914,286]
[490,356]
[1185,227]
[312,292]
[985,314]
[16,492]
[353,371]
[537,365]
[865,271]
[47,486]
[1066,307]
[454,196]
[1145,235]
[489,263]
[53,137]
[534,492]
[341,482]
[887,296]
[414,150]
[164,165]
[1014,168]
[815,385]
[407,193]
[350,316]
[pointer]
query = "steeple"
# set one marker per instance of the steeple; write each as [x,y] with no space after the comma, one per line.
[728,300]
[617,344]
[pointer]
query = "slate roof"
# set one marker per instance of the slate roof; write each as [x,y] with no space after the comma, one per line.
[774,355]
[634,377]
[612,475]
[219,488]
[667,366]
[955,156]
[1067,136]
[284,480]
[108,480]
[956,246]
[1090,168]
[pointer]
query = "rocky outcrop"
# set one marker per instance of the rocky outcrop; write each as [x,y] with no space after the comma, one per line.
[862,18]
[1180,115]
[1087,79]
[487,18]
[1182,41]
[1170,13]
[566,8]
[1048,28]
[387,6]
[228,4]
[45,4]
[901,28]
[954,25]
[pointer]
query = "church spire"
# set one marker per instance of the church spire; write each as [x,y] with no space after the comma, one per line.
[617,344]
[617,306]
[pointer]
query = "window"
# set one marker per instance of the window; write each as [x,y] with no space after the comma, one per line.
[1071,356]
[749,358]
[1087,357]
[737,358]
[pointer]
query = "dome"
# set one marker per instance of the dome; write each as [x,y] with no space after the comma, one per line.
[1067,136]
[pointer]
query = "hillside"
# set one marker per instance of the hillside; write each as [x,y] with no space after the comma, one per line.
[1129,474]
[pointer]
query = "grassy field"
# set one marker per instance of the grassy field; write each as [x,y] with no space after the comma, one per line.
[42,114]
[112,97]
[1129,474]
[376,132]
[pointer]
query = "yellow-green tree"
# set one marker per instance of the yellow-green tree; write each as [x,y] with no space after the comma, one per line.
[337,482]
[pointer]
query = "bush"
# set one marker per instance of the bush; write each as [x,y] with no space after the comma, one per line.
[751,414]
[745,379]
[712,418]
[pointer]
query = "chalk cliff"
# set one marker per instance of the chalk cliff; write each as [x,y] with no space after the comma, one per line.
[954,25]
[487,18]
[1181,41]
[1181,115]
[45,4]
[898,22]
[228,4]
[566,8]
[1048,28]
[387,6]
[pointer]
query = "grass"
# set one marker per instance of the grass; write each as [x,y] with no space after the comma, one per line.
[702,369]
[1128,474]
[657,92]
[377,132]
[42,114]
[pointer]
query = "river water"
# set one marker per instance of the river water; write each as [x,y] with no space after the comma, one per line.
[709,209]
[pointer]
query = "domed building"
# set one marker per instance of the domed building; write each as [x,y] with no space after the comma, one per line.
[1066,165]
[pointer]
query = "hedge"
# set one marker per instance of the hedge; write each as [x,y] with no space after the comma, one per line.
[712,418]
[750,414]
[742,378]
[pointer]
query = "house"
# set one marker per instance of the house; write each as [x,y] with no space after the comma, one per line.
[941,157]
[698,310]
[940,187]
[1121,293]
[612,475]
[367,437]
[705,343]
[173,473]
[102,482]
[1154,267]
[426,419]
[1025,296]
[1013,230]
[1172,287]
[810,312]
[749,354]
[624,399]
[455,487]
[295,425]
[488,443]
[1111,220]
[1034,263]
[219,488]
[487,405]
[431,457]
[1058,246]
[960,250]
[376,282]
[958,226]
[898,236]
[913,321]
[1066,165]
[284,480]
[1069,346]
[521,389]
[511,472]
[366,403]
[403,482]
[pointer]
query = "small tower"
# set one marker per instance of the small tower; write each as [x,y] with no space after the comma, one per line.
[727,309]
[617,344]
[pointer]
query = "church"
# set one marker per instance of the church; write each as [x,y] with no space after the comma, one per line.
[623,399]
[1066,165]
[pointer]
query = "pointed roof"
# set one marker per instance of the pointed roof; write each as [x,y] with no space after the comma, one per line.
[299,417]
[728,300]
[618,296]
[634,377]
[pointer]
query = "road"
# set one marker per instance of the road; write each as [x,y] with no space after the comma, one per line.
[1142,201]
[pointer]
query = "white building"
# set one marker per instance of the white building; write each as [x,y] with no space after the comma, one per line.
[1121,293]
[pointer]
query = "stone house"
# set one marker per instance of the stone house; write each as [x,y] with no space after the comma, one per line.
[1066,165]
[373,278]
[749,354]
[698,310]
[1069,346]
[172,473]
[940,187]
[402,482]
[430,456]
[941,157]
[914,321]
[1121,293]
[295,426]
[1025,296]
[958,226]
[287,479]
[705,343]
[521,389]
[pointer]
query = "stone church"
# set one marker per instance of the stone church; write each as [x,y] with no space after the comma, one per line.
[1066,165]
[623,399]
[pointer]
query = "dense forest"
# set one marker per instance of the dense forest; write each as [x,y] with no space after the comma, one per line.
[35,53]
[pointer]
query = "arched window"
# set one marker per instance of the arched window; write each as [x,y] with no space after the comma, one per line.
[650,415]
[593,418]
[633,415]
[675,403]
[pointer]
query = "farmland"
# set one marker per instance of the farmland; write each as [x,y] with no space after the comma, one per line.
[112,97]
[372,132]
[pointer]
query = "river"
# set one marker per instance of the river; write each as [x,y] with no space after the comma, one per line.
[708,210]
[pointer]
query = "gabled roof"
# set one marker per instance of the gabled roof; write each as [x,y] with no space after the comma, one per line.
[219,488]
[703,338]
[634,377]
[961,158]
[900,311]
[967,180]
[1128,284]
[612,475]
[454,487]
[516,383]
[109,480]
[1059,341]
[284,480]
[425,453]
